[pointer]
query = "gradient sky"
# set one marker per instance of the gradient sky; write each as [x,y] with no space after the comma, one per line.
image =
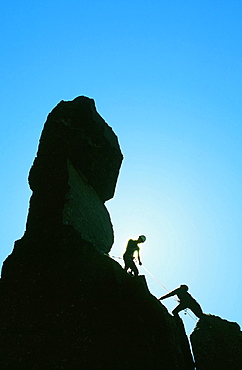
[166,76]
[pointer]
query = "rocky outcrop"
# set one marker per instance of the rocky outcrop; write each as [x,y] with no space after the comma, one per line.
[217,344]
[74,173]
[64,303]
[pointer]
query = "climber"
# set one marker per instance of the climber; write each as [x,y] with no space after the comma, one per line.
[185,301]
[128,255]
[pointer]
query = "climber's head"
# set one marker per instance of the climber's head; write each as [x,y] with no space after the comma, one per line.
[184,287]
[141,239]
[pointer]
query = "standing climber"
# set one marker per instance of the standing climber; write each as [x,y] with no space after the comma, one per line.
[128,256]
[185,301]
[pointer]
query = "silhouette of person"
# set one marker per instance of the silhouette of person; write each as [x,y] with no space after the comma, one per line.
[186,301]
[128,255]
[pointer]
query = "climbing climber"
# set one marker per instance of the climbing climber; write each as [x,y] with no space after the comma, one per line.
[185,301]
[128,255]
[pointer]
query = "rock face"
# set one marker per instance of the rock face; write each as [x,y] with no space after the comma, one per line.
[217,344]
[74,173]
[64,303]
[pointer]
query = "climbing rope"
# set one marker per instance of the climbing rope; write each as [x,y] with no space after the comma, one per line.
[119,258]
[177,300]
[153,277]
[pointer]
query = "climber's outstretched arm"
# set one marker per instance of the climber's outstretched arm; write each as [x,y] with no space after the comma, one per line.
[170,294]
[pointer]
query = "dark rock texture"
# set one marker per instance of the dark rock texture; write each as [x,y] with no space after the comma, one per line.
[217,344]
[74,173]
[64,304]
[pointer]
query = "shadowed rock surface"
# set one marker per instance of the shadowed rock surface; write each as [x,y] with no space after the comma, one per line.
[217,344]
[64,303]
[74,173]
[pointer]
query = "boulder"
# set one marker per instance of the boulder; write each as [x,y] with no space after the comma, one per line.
[74,173]
[217,344]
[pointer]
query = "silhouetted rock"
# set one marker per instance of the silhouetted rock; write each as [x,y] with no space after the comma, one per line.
[217,344]
[74,173]
[64,304]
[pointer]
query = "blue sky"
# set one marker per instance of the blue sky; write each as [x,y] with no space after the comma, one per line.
[166,76]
